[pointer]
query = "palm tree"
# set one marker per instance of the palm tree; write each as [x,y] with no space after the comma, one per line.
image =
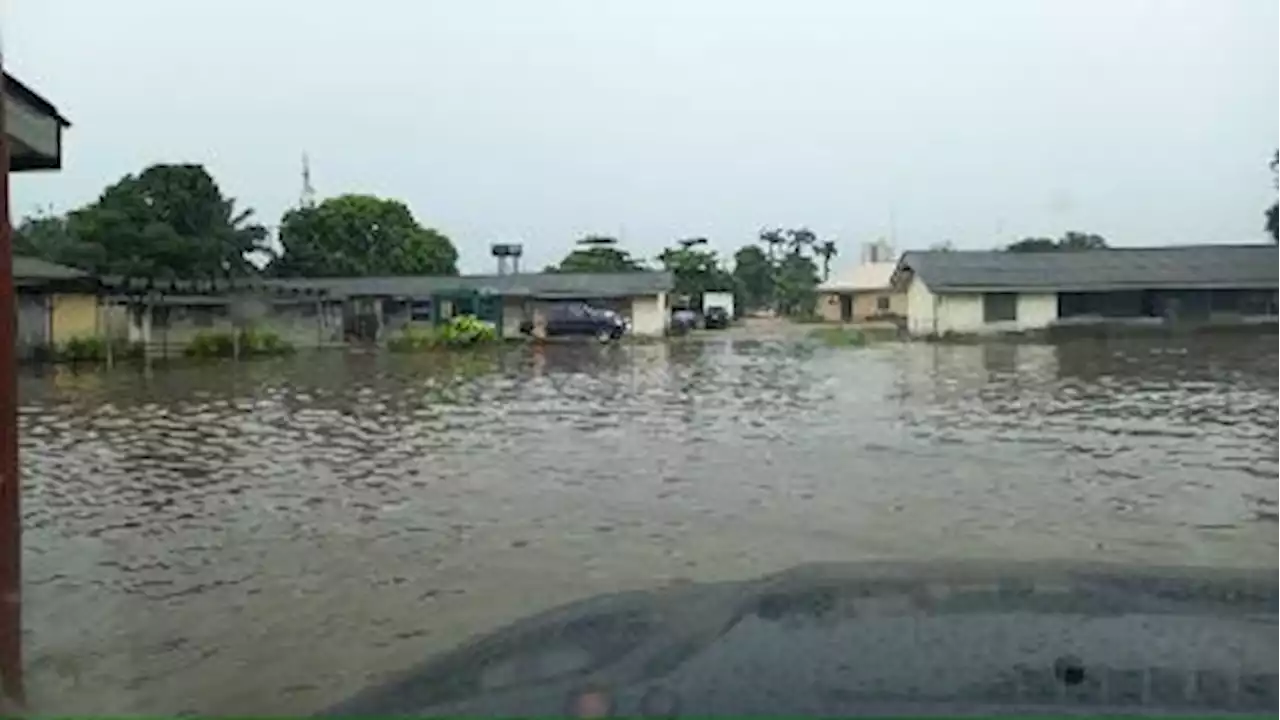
[799,239]
[772,239]
[826,251]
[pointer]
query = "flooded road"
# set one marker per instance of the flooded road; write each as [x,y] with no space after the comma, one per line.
[272,537]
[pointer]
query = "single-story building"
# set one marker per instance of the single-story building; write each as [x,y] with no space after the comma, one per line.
[375,307]
[991,292]
[864,293]
[56,304]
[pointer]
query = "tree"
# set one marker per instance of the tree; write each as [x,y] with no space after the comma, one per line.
[1072,241]
[800,240]
[1082,241]
[753,276]
[169,221]
[797,279]
[360,235]
[1032,244]
[826,251]
[47,237]
[597,254]
[772,239]
[696,269]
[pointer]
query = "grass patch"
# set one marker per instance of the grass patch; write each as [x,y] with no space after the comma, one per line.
[839,336]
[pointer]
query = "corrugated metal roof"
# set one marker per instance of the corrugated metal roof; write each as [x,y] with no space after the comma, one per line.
[1186,267]
[586,285]
[866,276]
[29,268]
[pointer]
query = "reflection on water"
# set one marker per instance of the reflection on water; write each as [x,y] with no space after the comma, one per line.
[272,537]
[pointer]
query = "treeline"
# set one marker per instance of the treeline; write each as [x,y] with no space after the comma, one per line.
[173,221]
[779,271]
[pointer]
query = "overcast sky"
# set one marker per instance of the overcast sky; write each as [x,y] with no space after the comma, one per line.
[976,121]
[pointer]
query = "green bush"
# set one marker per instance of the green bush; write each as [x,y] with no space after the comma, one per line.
[82,349]
[255,342]
[222,344]
[461,331]
[465,330]
[839,336]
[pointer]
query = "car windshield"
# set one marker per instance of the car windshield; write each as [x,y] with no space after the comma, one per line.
[728,357]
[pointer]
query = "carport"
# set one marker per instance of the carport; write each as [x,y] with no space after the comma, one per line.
[30,139]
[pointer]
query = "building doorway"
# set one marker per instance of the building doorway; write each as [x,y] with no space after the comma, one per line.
[846,307]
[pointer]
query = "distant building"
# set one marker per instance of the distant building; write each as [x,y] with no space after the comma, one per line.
[373,307]
[863,293]
[992,292]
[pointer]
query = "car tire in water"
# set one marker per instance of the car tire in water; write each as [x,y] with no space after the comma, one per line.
[604,336]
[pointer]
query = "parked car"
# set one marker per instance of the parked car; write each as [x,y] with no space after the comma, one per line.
[716,318]
[683,320]
[583,320]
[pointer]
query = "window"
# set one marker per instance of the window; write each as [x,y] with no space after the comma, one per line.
[882,303]
[420,311]
[999,307]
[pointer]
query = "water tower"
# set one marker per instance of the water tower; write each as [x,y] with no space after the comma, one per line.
[508,255]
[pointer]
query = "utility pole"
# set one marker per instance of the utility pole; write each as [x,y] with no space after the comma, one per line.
[10,508]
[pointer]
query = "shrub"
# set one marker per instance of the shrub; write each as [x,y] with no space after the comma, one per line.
[465,330]
[412,339]
[255,342]
[83,349]
[461,331]
[222,344]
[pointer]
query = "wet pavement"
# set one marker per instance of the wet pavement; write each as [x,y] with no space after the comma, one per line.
[272,537]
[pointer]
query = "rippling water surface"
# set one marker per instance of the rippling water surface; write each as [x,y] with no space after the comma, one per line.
[271,537]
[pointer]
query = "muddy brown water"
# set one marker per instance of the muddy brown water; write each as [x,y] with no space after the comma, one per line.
[271,537]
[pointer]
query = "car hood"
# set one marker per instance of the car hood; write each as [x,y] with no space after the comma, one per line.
[879,639]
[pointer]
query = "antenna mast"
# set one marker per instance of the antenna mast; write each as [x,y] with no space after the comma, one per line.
[308,198]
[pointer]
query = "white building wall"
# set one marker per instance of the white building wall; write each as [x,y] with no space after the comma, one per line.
[920,309]
[935,314]
[513,314]
[649,315]
[1038,311]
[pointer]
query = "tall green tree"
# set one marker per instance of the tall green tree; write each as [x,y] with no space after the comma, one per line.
[797,280]
[169,221]
[753,276]
[360,235]
[597,254]
[696,269]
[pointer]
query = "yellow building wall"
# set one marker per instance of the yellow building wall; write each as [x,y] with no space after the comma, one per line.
[649,315]
[74,316]
[866,304]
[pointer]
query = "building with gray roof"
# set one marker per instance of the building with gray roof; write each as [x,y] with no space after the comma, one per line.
[1000,291]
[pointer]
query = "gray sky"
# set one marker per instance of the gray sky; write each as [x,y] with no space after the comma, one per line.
[978,121]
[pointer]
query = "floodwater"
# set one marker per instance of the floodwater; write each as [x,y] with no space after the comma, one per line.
[271,537]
